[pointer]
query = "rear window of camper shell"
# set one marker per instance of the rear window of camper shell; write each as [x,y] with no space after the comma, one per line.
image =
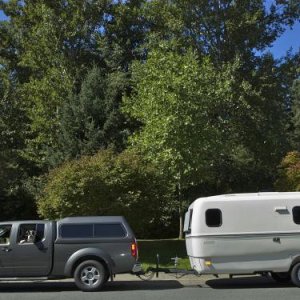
[92,230]
[213,217]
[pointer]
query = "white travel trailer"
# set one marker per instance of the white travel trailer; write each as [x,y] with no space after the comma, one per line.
[245,234]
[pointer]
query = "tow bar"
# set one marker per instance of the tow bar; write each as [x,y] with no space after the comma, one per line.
[150,272]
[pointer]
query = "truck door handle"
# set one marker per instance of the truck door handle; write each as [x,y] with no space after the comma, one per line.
[276,240]
[6,249]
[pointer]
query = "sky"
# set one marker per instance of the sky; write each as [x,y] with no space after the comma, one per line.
[289,39]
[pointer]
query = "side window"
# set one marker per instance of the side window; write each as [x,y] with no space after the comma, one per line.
[188,221]
[109,230]
[76,231]
[5,231]
[30,233]
[213,217]
[296,214]
[100,230]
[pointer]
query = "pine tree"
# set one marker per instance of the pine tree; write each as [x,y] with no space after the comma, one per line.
[91,120]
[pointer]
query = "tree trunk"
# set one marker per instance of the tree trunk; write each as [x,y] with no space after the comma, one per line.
[180,212]
[180,222]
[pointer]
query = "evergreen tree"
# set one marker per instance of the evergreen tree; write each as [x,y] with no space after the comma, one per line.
[296,113]
[91,120]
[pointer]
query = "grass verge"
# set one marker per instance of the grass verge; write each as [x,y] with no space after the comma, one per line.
[148,249]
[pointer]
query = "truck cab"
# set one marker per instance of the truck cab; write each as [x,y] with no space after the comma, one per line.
[90,249]
[26,248]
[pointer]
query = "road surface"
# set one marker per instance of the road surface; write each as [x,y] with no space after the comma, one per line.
[173,289]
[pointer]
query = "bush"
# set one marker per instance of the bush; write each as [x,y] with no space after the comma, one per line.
[289,173]
[109,184]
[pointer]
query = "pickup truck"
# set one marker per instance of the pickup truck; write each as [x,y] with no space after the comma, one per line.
[89,249]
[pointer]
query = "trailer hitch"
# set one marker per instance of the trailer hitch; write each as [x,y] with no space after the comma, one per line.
[150,272]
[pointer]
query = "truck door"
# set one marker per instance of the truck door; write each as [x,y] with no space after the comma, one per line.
[33,249]
[6,253]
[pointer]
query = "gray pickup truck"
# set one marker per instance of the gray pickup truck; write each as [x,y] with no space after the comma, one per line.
[90,249]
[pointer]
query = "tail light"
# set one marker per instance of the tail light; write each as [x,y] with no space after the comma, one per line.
[134,249]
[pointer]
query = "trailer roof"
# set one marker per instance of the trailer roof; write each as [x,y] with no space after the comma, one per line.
[252,196]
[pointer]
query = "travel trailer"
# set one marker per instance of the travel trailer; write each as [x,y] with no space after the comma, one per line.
[245,234]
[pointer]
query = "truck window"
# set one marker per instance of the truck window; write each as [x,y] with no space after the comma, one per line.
[30,233]
[5,234]
[213,217]
[76,231]
[296,214]
[109,230]
[100,230]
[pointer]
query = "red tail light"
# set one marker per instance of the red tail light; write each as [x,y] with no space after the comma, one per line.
[134,249]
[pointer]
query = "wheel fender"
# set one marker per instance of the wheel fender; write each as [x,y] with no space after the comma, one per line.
[295,260]
[89,253]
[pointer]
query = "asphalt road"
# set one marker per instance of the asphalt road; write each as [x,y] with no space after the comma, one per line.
[239,288]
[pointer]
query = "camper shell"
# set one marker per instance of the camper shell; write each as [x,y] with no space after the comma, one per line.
[244,234]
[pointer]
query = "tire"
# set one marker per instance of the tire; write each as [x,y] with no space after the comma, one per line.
[283,277]
[295,274]
[90,276]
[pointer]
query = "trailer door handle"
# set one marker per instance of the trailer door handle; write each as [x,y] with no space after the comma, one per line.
[276,240]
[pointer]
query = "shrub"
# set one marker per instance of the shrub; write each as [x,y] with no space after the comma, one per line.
[109,184]
[289,173]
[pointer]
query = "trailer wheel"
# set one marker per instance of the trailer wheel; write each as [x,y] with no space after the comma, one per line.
[90,276]
[295,274]
[283,277]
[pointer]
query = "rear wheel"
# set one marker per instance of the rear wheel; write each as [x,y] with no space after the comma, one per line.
[283,277]
[90,276]
[295,274]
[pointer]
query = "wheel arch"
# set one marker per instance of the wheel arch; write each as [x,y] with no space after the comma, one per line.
[295,261]
[88,254]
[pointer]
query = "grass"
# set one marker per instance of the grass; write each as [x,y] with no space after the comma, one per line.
[148,249]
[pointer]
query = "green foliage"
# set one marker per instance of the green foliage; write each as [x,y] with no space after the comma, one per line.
[172,107]
[124,34]
[189,109]
[167,249]
[221,29]
[289,173]
[16,202]
[56,45]
[296,112]
[206,105]
[90,120]
[108,184]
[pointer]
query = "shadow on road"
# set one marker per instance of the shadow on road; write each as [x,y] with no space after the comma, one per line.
[46,287]
[142,285]
[255,282]
[33,287]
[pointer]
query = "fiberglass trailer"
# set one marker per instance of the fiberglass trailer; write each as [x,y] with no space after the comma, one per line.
[245,234]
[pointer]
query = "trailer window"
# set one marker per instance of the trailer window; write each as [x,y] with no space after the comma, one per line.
[213,217]
[296,214]
[188,221]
